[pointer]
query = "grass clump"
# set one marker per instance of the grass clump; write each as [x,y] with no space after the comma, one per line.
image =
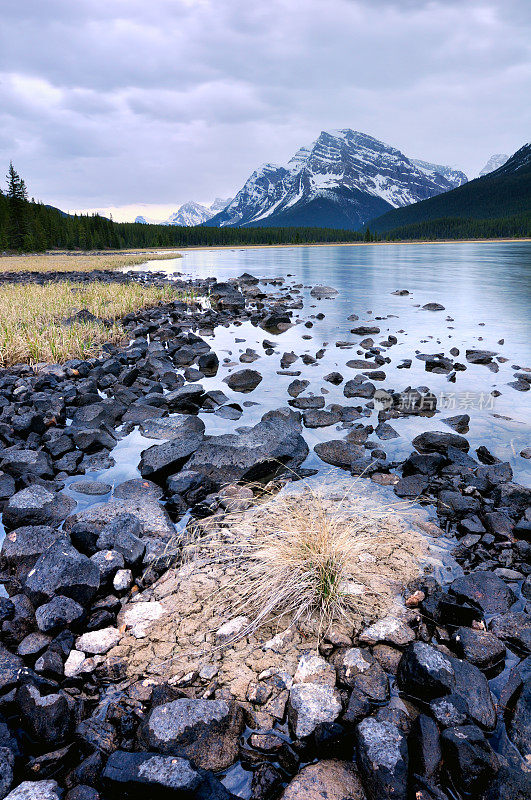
[33,326]
[79,262]
[317,556]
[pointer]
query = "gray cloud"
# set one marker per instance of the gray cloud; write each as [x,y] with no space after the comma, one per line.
[125,102]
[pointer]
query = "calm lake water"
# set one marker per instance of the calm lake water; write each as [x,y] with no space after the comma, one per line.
[486,292]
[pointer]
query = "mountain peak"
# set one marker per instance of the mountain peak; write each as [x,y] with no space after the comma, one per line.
[495,162]
[343,179]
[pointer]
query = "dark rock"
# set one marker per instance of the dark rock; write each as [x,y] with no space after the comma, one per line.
[61,569]
[296,387]
[438,441]
[83,792]
[320,419]
[423,463]
[334,377]
[485,590]
[450,710]
[514,628]
[480,356]
[50,664]
[33,644]
[411,486]
[355,389]
[108,563]
[385,431]
[35,462]
[433,307]
[12,670]
[7,761]
[21,622]
[7,609]
[46,719]
[424,747]
[205,731]
[36,790]
[509,784]
[122,534]
[244,380]
[263,450]
[150,775]
[305,403]
[22,547]
[35,505]
[469,759]
[455,504]
[520,726]
[479,647]
[7,486]
[459,423]
[339,452]
[161,460]
[382,759]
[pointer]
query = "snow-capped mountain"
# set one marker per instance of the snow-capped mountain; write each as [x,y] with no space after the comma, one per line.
[495,162]
[220,203]
[343,180]
[190,213]
[141,220]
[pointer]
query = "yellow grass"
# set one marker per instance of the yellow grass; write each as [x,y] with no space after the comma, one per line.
[316,556]
[32,328]
[79,262]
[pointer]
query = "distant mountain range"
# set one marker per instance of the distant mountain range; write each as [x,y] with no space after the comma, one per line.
[342,180]
[191,213]
[503,193]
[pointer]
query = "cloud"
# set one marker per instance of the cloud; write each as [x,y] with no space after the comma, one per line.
[126,102]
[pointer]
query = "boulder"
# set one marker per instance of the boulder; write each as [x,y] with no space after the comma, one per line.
[353,388]
[339,452]
[424,747]
[326,780]
[255,453]
[469,759]
[439,442]
[479,647]
[514,628]
[485,590]
[150,775]
[323,292]
[382,759]
[310,704]
[36,505]
[205,731]
[46,718]
[36,790]
[22,548]
[152,515]
[61,569]
[244,380]
[426,673]
[122,535]
[34,462]
[160,460]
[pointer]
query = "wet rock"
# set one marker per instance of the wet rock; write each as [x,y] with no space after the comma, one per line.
[469,759]
[161,776]
[424,747]
[454,504]
[309,704]
[480,356]
[208,363]
[160,460]
[320,418]
[459,423]
[91,488]
[36,790]
[296,387]
[479,647]
[323,292]
[423,463]
[336,378]
[514,628]
[305,403]
[326,780]
[426,673]
[46,718]
[485,590]
[205,731]
[62,570]
[244,380]
[354,389]
[36,505]
[520,725]
[411,486]
[382,759]
[256,452]
[439,441]
[339,452]
[385,431]
[365,330]
[433,307]
[22,548]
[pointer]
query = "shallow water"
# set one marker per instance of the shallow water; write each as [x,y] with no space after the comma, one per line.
[484,287]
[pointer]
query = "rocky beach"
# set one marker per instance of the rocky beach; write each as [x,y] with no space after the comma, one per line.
[125,671]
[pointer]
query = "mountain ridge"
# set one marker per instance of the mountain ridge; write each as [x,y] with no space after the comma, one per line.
[343,179]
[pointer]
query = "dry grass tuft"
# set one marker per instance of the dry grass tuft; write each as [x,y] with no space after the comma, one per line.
[79,262]
[32,328]
[317,556]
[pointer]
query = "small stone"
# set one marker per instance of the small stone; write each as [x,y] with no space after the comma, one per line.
[312,668]
[98,642]
[309,704]
[388,629]
[123,580]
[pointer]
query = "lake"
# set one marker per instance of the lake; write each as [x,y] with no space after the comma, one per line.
[485,289]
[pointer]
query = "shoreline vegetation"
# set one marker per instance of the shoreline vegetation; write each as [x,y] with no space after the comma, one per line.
[58,321]
[68,261]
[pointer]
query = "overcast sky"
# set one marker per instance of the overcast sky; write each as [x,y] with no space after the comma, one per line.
[140,105]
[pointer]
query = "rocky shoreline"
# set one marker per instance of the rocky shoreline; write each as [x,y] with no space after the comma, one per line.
[401,709]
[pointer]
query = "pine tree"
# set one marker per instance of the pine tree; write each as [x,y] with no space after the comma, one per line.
[17,196]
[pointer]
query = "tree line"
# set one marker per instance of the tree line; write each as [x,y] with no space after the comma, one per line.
[29,226]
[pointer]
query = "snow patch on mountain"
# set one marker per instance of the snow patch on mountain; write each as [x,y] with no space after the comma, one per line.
[495,162]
